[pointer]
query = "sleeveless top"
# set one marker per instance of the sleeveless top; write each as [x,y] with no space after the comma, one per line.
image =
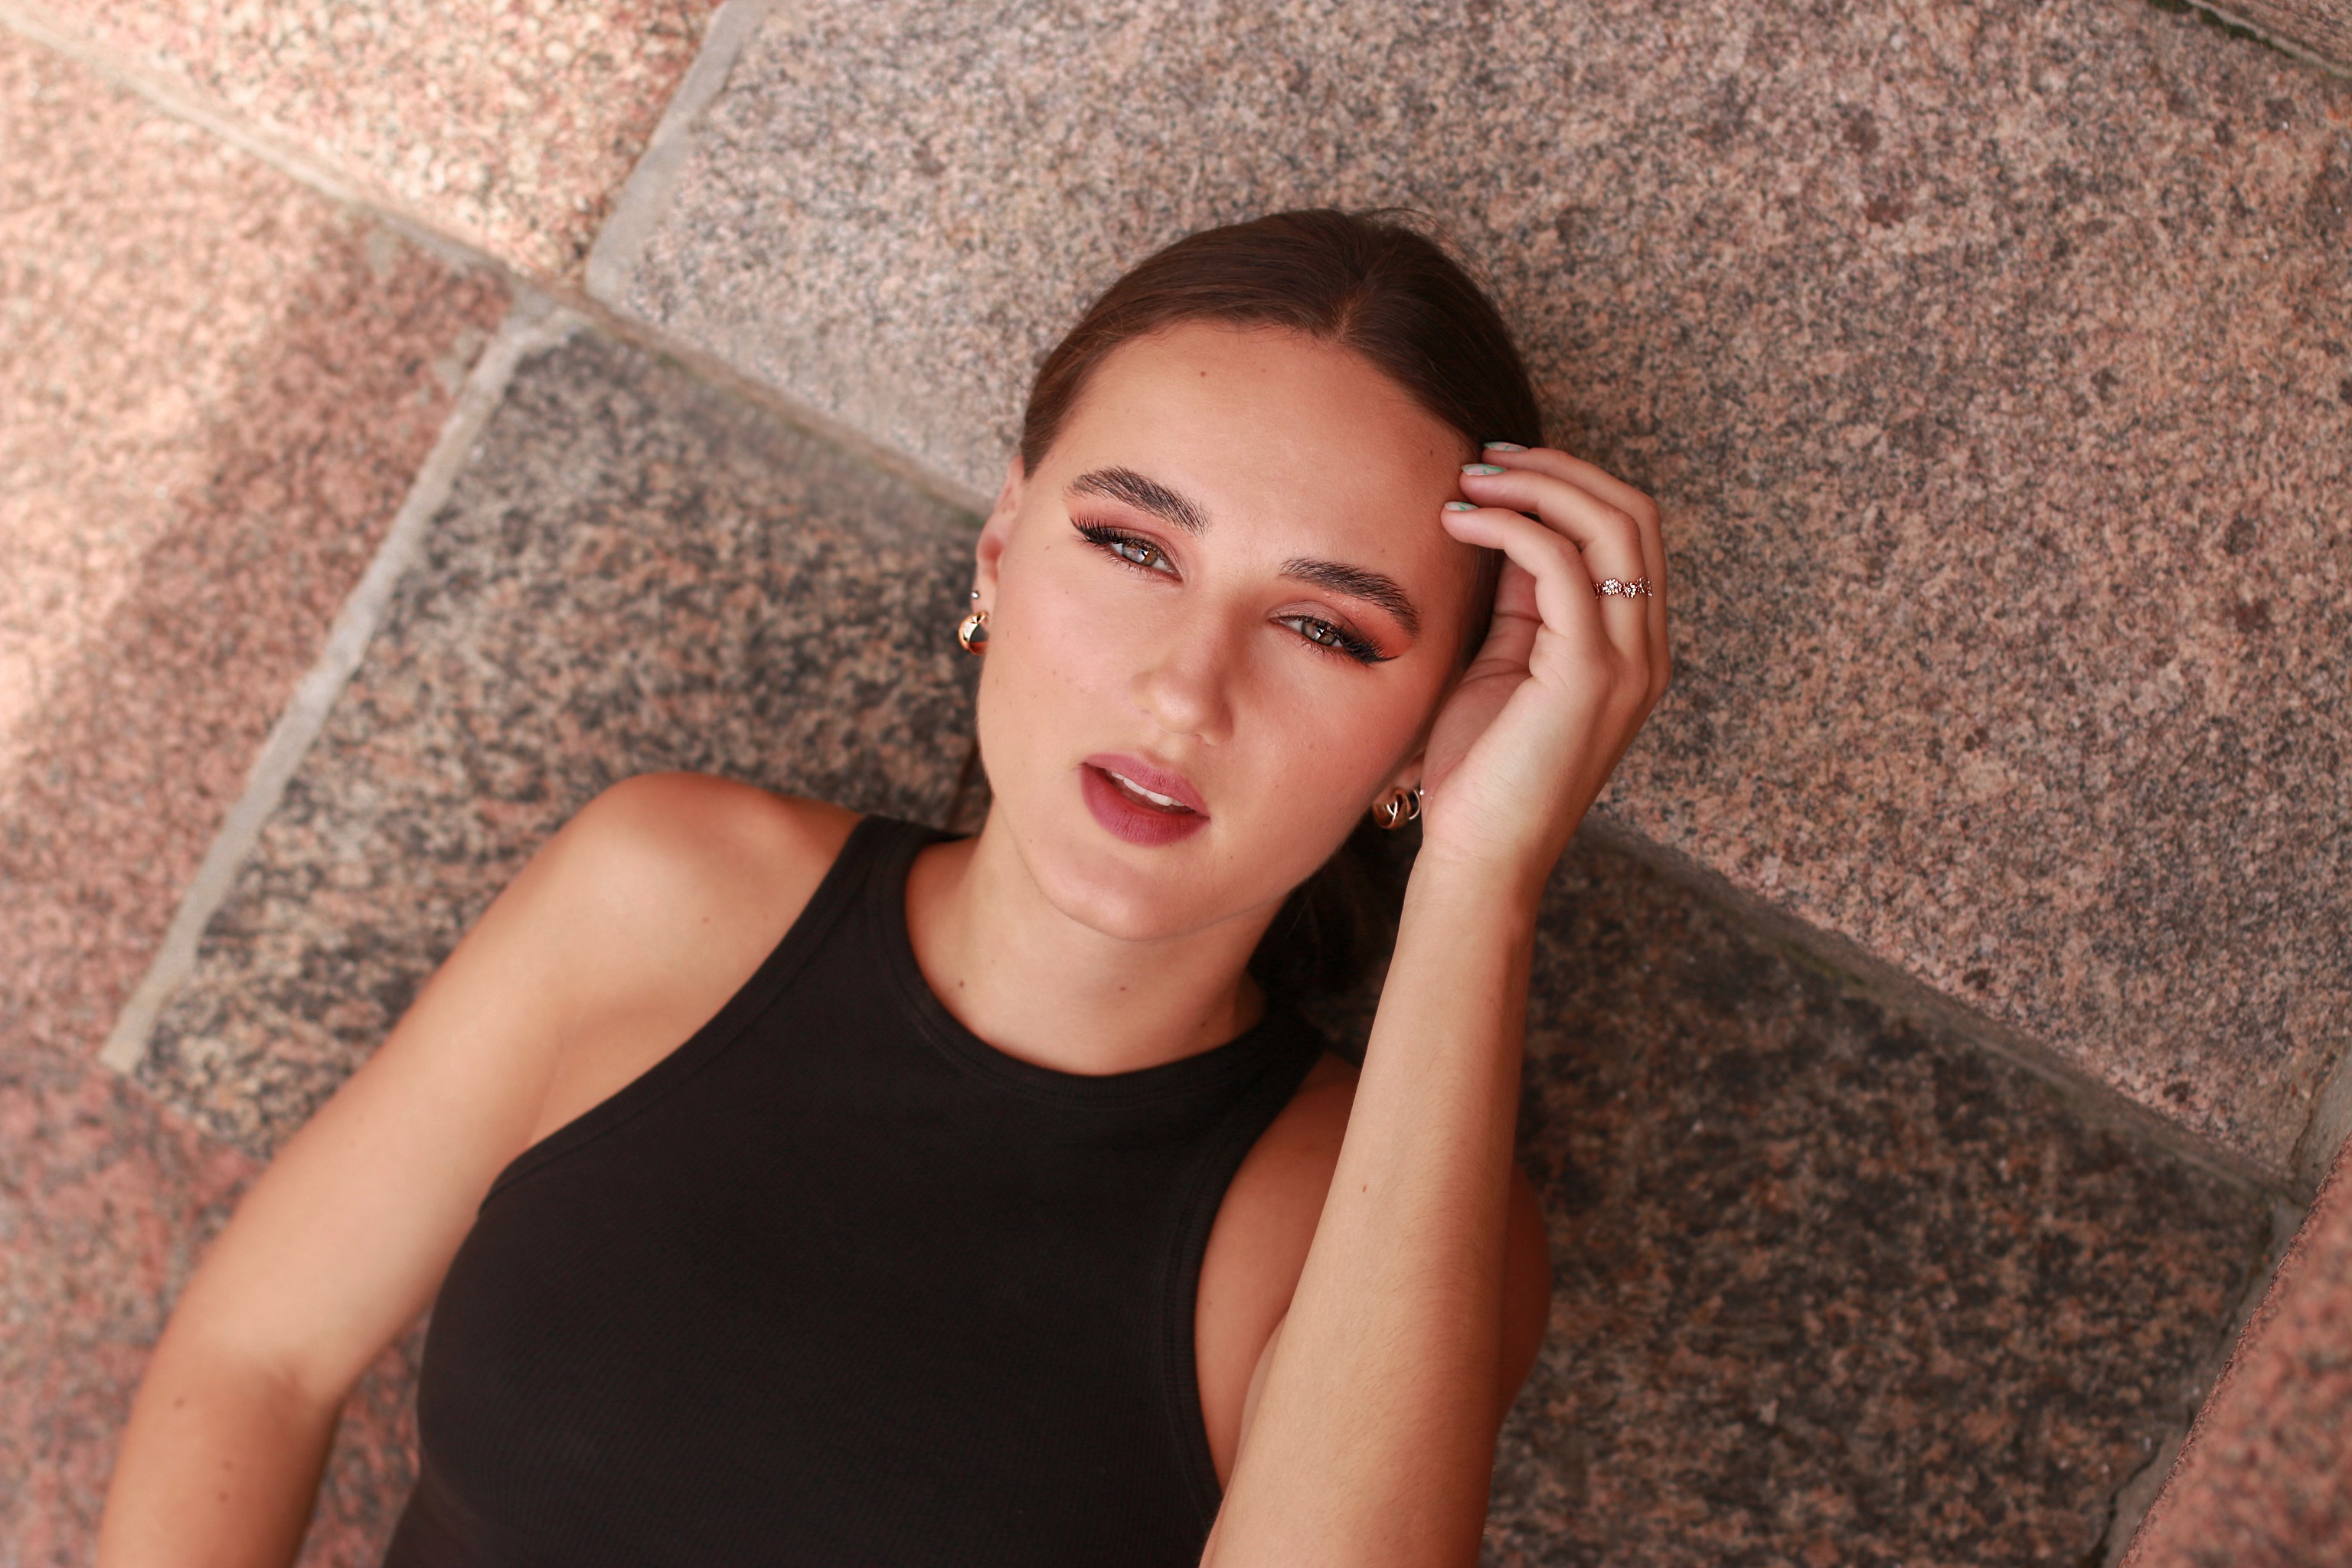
[837,1282]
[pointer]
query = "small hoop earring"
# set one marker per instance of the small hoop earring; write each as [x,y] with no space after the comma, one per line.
[974,633]
[1396,807]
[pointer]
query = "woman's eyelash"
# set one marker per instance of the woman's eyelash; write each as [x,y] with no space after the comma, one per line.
[1133,550]
[1118,542]
[1335,640]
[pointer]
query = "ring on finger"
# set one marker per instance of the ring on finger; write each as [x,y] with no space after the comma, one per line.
[1619,588]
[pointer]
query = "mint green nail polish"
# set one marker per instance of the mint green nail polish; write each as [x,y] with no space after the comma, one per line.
[1505,447]
[1459,506]
[1480,468]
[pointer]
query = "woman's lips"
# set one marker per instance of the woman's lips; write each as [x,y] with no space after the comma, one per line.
[1139,802]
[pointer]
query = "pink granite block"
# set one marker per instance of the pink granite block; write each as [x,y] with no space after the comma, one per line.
[218,387]
[106,1202]
[103,1203]
[2265,1479]
[509,126]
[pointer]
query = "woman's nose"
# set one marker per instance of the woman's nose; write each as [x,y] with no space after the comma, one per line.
[1186,690]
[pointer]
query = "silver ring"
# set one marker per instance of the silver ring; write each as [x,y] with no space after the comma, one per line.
[1618,588]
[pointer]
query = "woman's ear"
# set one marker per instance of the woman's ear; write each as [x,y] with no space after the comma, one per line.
[998,529]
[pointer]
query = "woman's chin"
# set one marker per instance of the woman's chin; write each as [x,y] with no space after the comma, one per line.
[1131,892]
[1128,896]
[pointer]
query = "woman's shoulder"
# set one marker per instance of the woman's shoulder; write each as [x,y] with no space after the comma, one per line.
[1316,1115]
[666,892]
[665,861]
[667,833]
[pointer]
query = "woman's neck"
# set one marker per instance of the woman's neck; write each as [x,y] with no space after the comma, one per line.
[1039,986]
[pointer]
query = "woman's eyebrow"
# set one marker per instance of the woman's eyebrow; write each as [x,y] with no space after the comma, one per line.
[1358,583]
[1148,495]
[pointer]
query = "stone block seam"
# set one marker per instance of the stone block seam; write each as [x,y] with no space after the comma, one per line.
[532,322]
[2277,26]
[288,158]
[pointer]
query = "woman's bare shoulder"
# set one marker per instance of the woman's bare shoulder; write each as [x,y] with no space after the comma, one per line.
[673,833]
[622,934]
[663,858]
[669,889]
[1259,1244]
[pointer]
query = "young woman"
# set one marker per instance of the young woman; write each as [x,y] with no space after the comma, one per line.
[792,1188]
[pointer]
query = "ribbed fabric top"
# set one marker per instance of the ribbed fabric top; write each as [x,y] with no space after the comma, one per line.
[837,1282]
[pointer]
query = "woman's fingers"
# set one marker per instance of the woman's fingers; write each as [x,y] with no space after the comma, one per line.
[1562,588]
[1575,470]
[1614,495]
[1608,540]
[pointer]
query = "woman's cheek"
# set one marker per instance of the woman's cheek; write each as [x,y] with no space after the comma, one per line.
[1069,647]
[1330,748]
[1043,685]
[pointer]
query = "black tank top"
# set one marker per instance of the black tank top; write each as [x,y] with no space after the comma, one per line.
[837,1282]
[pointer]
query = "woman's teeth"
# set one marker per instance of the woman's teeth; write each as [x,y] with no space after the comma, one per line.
[1133,788]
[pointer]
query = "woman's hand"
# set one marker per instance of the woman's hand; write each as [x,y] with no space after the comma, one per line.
[1565,677]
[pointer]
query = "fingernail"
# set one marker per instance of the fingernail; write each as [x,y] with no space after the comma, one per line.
[1480,470]
[1459,506]
[1505,447]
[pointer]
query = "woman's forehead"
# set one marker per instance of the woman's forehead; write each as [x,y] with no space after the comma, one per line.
[1263,423]
[1237,374]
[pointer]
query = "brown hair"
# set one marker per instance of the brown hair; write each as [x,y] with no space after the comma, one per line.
[1368,283]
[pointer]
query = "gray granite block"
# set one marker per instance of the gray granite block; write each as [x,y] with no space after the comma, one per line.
[632,574]
[1827,1283]
[1831,1287]
[1992,364]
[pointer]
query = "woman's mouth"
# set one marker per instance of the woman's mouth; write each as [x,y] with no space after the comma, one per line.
[1139,802]
[1165,803]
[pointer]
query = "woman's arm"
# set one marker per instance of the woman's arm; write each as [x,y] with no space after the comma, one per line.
[626,931]
[1371,1438]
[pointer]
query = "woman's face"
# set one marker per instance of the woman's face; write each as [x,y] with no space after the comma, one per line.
[1222,612]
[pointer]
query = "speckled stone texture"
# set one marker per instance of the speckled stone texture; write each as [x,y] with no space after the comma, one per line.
[215,388]
[1830,1288]
[2266,1478]
[105,1203]
[1826,1282]
[102,1204]
[634,574]
[1992,364]
[509,126]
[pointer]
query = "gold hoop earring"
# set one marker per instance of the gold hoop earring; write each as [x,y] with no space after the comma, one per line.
[1396,807]
[974,633]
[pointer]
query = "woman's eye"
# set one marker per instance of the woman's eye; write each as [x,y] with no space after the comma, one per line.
[1135,552]
[1323,634]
